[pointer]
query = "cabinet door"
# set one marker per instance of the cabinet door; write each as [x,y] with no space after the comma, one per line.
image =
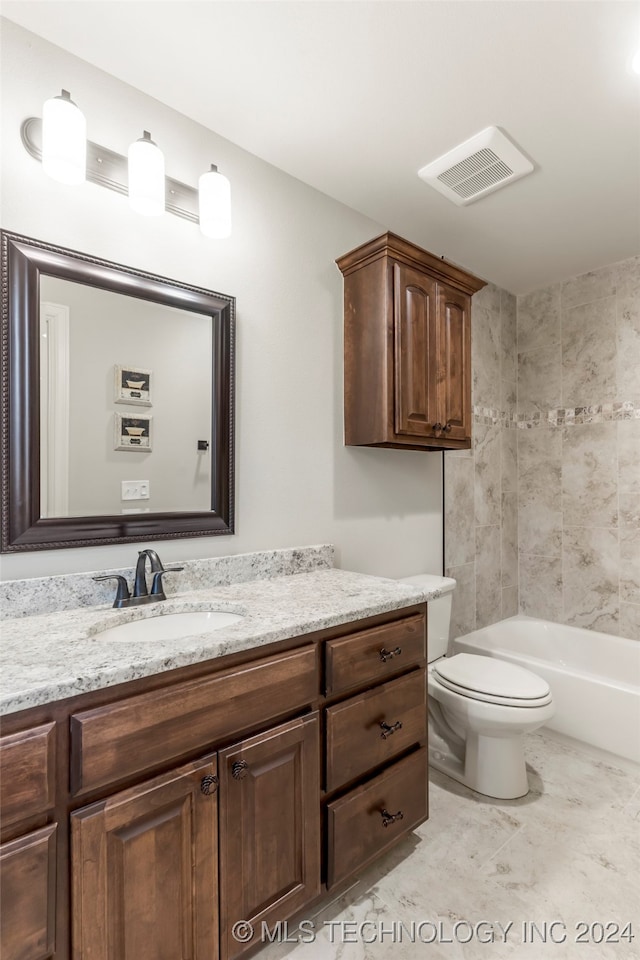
[144,870]
[454,353]
[415,352]
[269,829]
[27,893]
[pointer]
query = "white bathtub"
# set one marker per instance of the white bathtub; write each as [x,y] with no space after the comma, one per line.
[594,677]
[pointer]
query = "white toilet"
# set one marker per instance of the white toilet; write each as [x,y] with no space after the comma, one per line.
[479,707]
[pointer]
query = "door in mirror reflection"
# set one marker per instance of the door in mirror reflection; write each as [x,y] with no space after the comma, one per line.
[125,388]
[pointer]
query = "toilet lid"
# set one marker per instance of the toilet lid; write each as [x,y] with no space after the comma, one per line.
[485,678]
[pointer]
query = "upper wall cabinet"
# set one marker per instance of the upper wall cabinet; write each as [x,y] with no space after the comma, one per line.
[407,347]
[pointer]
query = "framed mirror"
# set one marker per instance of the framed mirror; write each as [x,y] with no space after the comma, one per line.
[117,402]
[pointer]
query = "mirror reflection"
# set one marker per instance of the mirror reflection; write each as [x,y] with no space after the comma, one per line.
[125,392]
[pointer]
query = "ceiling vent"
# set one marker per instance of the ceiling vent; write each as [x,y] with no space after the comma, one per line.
[478,166]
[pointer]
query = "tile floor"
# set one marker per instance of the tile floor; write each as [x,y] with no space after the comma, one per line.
[565,858]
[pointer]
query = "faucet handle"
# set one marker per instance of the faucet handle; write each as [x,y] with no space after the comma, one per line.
[157,589]
[122,591]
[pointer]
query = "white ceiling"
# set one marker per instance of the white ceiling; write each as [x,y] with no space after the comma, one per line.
[353,97]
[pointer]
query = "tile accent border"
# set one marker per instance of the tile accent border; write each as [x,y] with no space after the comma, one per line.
[559,416]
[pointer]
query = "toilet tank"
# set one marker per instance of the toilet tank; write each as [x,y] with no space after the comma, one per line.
[438,611]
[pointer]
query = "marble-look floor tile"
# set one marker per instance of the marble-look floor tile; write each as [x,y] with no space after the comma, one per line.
[589,354]
[590,569]
[538,321]
[589,475]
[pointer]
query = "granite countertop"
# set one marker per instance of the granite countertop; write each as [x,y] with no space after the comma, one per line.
[53,656]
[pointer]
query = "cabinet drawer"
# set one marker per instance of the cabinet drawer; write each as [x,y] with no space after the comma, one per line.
[374,654]
[27,890]
[116,741]
[373,727]
[27,773]
[356,828]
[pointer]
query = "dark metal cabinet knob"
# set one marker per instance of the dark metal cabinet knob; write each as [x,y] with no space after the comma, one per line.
[388,818]
[389,728]
[447,428]
[209,784]
[437,426]
[389,654]
[239,769]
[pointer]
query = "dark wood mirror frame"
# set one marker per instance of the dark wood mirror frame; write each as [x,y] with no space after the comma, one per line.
[22,527]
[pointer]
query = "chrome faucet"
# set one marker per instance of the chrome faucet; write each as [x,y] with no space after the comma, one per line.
[141,592]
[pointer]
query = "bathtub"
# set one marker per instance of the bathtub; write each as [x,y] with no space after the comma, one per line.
[594,677]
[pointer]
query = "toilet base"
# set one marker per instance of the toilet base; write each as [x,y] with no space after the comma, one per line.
[492,766]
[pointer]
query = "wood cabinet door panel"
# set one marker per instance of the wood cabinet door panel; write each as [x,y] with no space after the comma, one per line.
[144,871]
[454,373]
[375,654]
[415,364]
[28,896]
[357,740]
[269,828]
[27,773]
[356,828]
[136,734]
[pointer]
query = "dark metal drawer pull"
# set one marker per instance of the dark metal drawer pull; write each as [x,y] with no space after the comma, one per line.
[239,769]
[389,654]
[389,728]
[388,818]
[209,784]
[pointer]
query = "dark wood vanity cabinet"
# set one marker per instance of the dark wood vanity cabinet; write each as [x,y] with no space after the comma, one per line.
[407,347]
[142,823]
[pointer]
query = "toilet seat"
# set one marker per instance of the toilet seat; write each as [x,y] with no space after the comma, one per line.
[491,680]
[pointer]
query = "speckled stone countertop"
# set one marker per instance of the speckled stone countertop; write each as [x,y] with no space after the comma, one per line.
[53,656]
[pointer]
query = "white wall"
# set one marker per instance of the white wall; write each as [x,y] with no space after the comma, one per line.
[296,483]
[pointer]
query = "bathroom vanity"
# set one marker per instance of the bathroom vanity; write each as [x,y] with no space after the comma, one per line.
[145,818]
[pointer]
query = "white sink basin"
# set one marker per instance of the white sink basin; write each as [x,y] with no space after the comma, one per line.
[171,626]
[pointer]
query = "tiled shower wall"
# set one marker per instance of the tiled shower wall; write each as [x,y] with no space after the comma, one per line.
[579,450]
[480,488]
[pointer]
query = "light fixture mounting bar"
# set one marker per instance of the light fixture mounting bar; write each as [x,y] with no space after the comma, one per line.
[109,169]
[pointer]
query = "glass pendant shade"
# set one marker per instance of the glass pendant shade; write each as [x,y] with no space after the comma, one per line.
[214,202]
[64,140]
[146,177]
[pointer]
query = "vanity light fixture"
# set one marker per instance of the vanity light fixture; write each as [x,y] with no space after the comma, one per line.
[211,206]
[214,202]
[64,140]
[146,176]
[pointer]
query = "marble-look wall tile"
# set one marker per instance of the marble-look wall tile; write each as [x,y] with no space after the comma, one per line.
[540,530]
[630,565]
[488,575]
[594,285]
[509,602]
[487,459]
[589,481]
[509,539]
[590,565]
[630,620]
[539,380]
[627,278]
[628,455]
[508,337]
[463,606]
[485,346]
[459,511]
[540,580]
[539,484]
[543,443]
[628,349]
[538,319]
[589,354]
[509,459]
